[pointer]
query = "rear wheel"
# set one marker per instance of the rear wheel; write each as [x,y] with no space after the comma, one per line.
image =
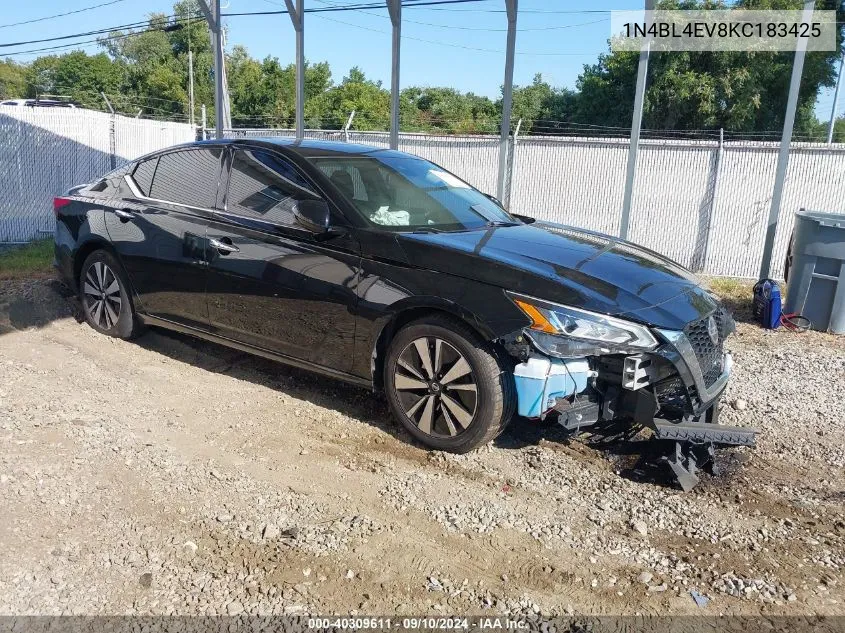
[104,293]
[446,386]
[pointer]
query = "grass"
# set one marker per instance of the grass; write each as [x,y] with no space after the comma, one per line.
[31,260]
[737,294]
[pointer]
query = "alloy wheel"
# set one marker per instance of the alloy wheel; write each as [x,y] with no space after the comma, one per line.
[102,295]
[436,387]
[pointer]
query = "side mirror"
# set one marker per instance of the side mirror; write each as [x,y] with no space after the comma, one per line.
[313,216]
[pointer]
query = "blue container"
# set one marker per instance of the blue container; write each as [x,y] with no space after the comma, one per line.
[540,381]
[767,303]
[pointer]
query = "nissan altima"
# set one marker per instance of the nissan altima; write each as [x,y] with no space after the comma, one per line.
[383,269]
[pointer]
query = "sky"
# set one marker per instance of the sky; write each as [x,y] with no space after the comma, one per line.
[461,45]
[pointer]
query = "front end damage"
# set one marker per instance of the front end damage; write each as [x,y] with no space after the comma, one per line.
[672,387]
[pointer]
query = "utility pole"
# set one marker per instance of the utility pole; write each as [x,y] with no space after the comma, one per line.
[297,17]
[394,8]
[786,139]
[507,97]
[835,101]
[191,84]
[636,124]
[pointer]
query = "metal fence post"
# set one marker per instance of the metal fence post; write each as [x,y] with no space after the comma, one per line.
[512,7]
[297,18]
[394,8]
[636,124]
[835,101]
[702,246]
[511,160]
[203,121]
[786,139]
[112,143]
[347,126]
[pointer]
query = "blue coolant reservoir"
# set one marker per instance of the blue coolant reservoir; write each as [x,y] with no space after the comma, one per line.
[541,380]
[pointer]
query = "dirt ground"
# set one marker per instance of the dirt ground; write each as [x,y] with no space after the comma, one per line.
[169,475]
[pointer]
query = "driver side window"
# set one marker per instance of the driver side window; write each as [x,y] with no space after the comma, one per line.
[264,186]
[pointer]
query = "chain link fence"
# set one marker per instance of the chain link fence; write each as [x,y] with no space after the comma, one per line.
[703,203]
[45,151]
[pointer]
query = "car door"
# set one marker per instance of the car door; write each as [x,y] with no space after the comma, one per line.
[159,228]
[271,283]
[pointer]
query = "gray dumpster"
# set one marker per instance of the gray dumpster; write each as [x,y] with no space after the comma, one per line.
[817,275]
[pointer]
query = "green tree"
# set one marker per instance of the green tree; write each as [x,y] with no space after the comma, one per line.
[12,79]
[447,110]
[155,60]
[77,75]
[542,108]
[370,101]
[738,91]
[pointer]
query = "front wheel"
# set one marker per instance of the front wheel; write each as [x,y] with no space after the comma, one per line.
[104,293]
[446,386]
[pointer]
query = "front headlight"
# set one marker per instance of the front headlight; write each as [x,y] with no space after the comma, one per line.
[569,332]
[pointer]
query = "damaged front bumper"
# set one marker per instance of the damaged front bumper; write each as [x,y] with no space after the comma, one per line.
[674,390]
[679,352]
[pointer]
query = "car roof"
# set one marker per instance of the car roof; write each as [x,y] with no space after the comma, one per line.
[307,148]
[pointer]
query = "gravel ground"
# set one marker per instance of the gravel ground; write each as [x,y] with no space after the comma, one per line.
[173,476]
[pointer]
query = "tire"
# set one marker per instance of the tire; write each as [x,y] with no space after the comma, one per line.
[465,404]
[107,308]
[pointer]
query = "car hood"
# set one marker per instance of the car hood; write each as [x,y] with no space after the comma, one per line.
[567,265]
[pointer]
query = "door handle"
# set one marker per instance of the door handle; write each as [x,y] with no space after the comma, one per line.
[124,214]
[224,247]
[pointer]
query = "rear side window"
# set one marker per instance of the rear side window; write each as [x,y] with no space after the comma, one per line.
[264,185]
[188,177]
[143,175]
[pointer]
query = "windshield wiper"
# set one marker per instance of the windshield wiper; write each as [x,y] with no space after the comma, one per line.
[427,229]
[501,223]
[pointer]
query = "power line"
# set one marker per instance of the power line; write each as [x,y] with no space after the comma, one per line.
[97,32]
[464,28]
[61,15]
[90,42]
[345,7]
[450,44]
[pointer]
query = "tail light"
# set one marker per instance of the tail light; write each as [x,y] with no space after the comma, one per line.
[59,203]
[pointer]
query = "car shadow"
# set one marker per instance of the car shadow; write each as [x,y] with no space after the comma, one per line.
[632,458]
[638,461]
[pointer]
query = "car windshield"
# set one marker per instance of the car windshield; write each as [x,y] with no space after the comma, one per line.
[404,193]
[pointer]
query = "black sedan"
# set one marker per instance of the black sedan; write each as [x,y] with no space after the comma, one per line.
[383,269]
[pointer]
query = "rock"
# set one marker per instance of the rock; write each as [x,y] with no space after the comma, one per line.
[640,527]
[224,518]
[234,608]
[658,588]
[645,577]
[739,404]
[270,531]
[190,547]
[791,597]
[146,580]
[350,574]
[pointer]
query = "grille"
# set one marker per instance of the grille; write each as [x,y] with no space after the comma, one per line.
[708,353]
[672,396]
